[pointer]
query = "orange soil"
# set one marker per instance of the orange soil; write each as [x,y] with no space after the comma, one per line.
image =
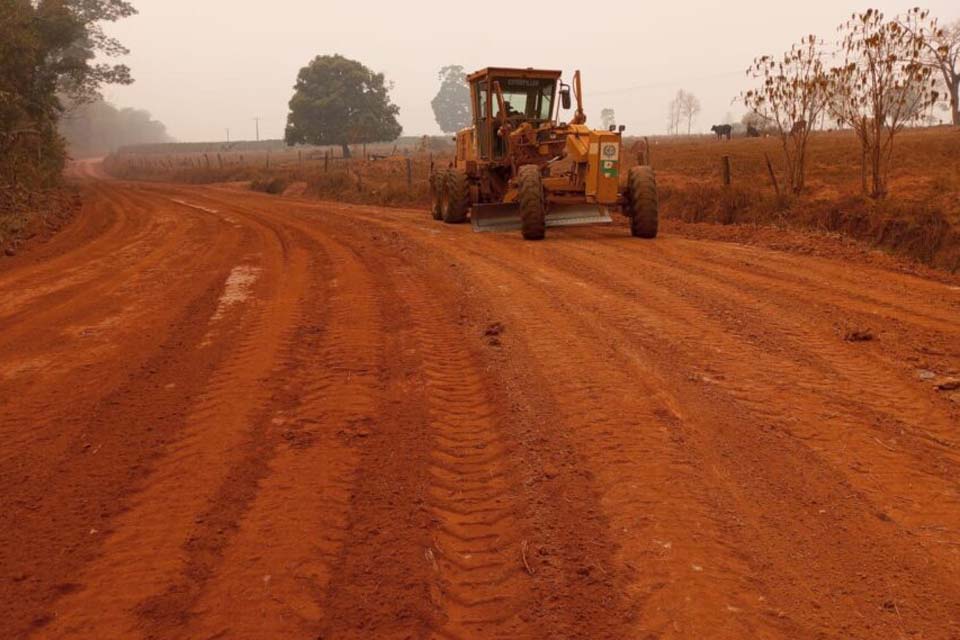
[233,415]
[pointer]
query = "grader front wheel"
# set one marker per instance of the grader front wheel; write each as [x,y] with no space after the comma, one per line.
[530,199]
[644,203]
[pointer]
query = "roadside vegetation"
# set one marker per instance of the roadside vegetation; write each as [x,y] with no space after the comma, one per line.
[51,57]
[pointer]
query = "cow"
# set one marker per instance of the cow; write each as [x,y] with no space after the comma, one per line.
[752,131]
[722,131]
[799,128]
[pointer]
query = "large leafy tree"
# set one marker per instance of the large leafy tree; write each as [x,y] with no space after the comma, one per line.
[50,49]
[451,105]
[340,101]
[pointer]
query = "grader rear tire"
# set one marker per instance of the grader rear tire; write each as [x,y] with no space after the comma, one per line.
[436,194]
[457,202]
[530,199]
[644,202]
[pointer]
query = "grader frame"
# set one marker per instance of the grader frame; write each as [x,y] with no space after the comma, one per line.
[519,167]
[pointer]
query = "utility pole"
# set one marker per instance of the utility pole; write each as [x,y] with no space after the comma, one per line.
[228,135]
[257,120]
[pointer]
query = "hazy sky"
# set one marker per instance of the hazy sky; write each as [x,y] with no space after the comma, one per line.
[204,65]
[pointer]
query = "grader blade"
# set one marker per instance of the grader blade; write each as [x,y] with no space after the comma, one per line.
[506,217]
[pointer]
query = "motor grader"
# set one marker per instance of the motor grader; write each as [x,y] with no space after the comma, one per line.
[520,167]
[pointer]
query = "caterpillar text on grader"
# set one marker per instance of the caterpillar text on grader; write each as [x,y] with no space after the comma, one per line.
[520,167]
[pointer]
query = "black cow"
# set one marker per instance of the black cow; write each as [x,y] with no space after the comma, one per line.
[722,131]
[752,131]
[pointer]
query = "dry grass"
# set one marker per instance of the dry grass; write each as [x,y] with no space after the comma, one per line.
[920,218]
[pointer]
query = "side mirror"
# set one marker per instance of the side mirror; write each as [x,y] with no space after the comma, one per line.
[565,96]
[622,128]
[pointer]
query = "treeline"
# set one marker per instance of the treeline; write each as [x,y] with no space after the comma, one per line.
[47,53]
[99,128]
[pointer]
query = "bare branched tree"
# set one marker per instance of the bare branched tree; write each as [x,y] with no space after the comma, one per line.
[674,114]
[608,117]
[941,52]
[689,107]
[882,83]
[791,95]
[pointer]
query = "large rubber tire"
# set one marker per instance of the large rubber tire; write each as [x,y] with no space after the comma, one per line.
[436,194]
[530,199]
[644,202]
[457,202]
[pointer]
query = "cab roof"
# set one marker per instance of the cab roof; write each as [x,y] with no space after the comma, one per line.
[511,72]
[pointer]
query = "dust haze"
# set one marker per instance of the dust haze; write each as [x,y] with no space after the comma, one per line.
[202,68]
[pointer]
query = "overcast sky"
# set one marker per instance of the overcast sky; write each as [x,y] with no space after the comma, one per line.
[202,66]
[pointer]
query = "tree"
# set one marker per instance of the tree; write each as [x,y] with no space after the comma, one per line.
[689,107]
[753,120]
[340,101]
[882,84]
[675,113]
[790,98]
[941,52]
[608,117]
[47,51]
[99,127]
[451,105]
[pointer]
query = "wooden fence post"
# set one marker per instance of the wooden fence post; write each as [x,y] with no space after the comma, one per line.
[773,175]
[725,170]
[409,173]
[326,161]
[300,158]
[268,159]
[220,160]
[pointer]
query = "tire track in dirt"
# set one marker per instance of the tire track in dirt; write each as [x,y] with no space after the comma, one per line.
[628,323]
[657,329]
[55,347]
[477,551]
[850,386]
[160,550]
[583,406]
[277,566]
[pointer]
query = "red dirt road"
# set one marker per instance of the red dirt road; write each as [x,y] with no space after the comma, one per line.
[227,415]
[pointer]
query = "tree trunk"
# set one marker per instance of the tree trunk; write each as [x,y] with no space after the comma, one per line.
[346,150]
[955,101]
[876,161]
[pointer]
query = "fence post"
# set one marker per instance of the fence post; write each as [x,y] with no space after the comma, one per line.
[409,174]
[300,159]
[725,170]
[326,161]
[773,176]
[268,158]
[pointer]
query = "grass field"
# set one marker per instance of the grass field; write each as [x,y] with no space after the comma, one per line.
[920,217]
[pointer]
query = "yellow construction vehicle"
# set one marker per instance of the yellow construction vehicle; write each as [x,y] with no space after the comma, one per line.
[520,167]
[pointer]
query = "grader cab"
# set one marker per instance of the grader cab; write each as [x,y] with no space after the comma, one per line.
[520,167]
